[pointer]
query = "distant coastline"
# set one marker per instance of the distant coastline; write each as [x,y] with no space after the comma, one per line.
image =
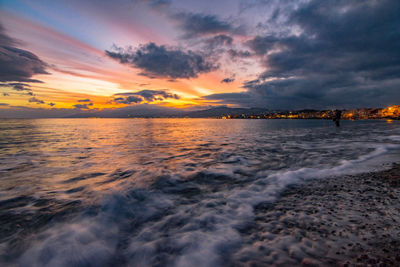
[221,112]
[389,113]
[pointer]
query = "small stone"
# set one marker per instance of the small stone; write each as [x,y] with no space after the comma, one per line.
[308,262]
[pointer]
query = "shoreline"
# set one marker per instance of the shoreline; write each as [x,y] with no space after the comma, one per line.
[350,220]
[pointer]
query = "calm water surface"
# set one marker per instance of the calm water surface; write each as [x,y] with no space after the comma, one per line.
[157,192]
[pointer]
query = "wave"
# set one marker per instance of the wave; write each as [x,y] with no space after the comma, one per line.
[174,222]
[394,137]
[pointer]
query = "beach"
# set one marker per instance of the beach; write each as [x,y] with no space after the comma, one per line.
[351,220]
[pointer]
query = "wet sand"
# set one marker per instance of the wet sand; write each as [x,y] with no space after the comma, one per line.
[340,221]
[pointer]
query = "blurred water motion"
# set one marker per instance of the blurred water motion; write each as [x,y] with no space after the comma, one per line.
[159,191]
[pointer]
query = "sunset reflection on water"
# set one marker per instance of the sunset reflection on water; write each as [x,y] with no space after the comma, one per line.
[136,180]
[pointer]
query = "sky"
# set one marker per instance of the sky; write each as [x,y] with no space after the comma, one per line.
[73,55]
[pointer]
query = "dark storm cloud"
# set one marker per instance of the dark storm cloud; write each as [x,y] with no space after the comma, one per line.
[144,95]
[242,99]
[84,100]
[36,100]
[128,100]
[226,96]
[151,95]
[163,62]
[262,44]
[18,65]
[87,103]
[4,104]
[228,80]
[338,36]
[344,54]
[83,106]
[17,86]
[219,40]
[197,24]
[20,86]
[238,53]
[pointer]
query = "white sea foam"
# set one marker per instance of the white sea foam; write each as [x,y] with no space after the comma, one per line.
[142,201]
[171,232]
[394,137]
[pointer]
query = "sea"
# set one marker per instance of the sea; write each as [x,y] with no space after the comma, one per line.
[163,192]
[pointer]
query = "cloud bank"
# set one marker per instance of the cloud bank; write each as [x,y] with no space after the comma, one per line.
[163,62]
[18,65]
[143,96]
[198,24]
[344,54]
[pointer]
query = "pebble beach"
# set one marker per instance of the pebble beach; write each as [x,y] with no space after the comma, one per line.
[340,221]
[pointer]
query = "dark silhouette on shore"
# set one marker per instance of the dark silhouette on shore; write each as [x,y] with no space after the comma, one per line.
[337,117]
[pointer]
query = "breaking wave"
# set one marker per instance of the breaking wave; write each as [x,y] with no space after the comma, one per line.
[187,202]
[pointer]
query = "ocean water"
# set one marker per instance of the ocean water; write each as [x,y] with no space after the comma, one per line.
[163,192]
